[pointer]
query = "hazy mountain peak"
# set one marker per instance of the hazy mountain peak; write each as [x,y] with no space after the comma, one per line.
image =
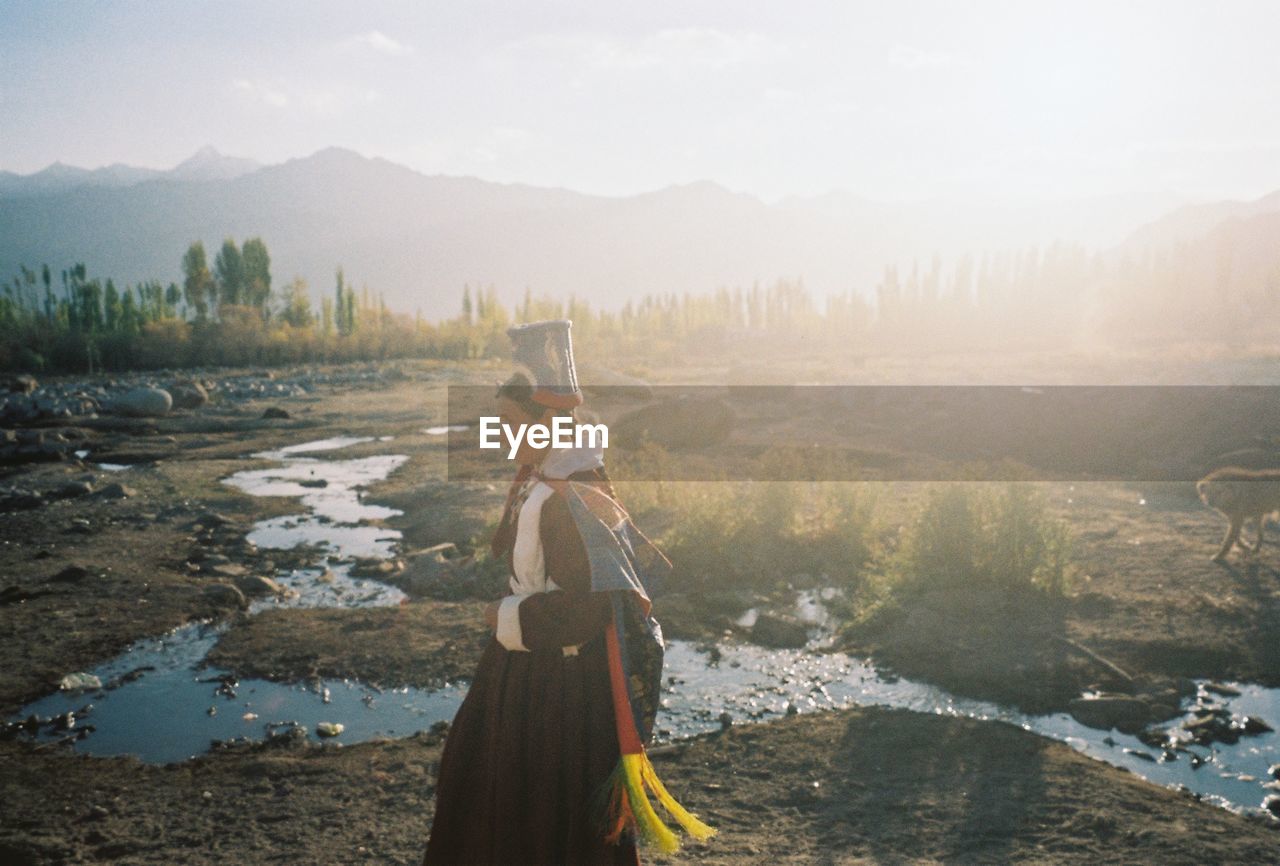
[57,168]
[208,163]
[1193,221]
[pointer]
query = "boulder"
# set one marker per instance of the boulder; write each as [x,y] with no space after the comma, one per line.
[275,412]
[233,570]
[1108,711]
[779,632]
[684,422]
[224,595]
[255,585]
[79,682]
[116,490]
[188,394]
[431,574]
[143,403]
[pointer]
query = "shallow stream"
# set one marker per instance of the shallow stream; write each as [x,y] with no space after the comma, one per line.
[158,701]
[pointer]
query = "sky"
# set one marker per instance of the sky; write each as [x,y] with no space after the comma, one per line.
[891,101]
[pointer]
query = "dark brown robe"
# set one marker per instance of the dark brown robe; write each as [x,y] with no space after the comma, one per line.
[534,740]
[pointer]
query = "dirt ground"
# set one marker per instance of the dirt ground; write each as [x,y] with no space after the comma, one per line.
[857,786]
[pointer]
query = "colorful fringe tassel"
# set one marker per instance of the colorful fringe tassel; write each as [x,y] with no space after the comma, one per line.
[634,779]
[631,783]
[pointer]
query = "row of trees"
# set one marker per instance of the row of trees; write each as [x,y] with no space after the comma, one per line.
[227,314]
[230,314]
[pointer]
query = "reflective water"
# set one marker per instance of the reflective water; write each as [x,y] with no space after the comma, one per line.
[157,697]
[445,430]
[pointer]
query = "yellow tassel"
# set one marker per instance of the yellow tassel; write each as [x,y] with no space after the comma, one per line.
[649,826]
[683,816]
[630,785]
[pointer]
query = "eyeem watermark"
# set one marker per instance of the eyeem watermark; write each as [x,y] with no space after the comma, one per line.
[564,432]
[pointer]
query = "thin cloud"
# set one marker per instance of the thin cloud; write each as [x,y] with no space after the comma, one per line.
[377,41]
[670,49]
[325,101]
[261,92]
[910,57]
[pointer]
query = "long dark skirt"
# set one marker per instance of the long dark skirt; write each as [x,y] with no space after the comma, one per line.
[523,763]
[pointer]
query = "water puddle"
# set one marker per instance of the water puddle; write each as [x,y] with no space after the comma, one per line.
[446,430]
[741,683]
[160,703]
[83,454]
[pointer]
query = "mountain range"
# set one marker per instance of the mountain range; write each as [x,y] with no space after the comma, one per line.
[419,238]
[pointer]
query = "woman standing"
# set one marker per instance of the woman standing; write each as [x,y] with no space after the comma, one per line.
[537,744]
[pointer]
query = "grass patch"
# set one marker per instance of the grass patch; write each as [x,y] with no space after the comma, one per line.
[749,535]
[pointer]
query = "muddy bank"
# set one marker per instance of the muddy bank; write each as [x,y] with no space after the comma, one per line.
[1144,596]
[114,543]
[82,578]
[417,644]
[866,784]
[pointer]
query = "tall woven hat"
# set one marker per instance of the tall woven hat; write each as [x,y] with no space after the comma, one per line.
[545,351]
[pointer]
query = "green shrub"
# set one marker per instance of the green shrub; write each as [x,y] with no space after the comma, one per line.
[733,535]
[969,536]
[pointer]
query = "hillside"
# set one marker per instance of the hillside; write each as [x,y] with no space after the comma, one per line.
[419,238]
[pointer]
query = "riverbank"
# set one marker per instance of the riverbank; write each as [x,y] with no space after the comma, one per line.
[82,576]
[860,785]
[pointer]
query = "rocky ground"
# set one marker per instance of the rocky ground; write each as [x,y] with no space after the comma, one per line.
[92,559]
[860,786]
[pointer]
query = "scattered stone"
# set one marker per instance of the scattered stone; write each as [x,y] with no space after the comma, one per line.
[1108,711]
[79,682]
[313,482]
[225,595]
[1253,726]
[286,734]
[188,394]
[227,569]
[254,585]
[21,500]
[1272,804]
[70,574]
[1222,690]
[71,490]
[275,412]
[143,403]
[329,729]
[1141,755]
[778,632]
[1212,727]
[116,490]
